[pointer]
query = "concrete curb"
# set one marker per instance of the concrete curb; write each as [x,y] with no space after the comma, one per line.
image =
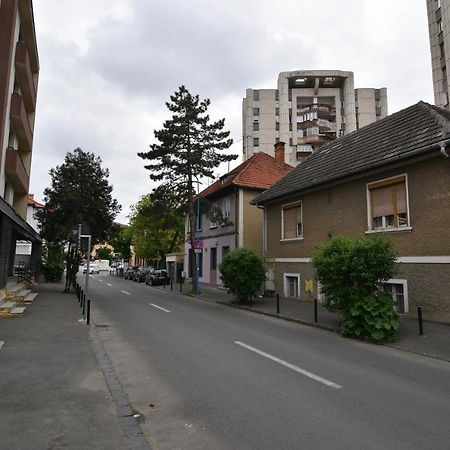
[279,316]
[130,426]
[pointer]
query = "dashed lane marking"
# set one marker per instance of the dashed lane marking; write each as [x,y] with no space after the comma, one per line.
[109,284]
[160,307]
[1,344]
[125,292]
[304,372]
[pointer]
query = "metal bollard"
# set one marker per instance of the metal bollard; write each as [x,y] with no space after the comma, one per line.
[84,305]
[81,296]
[181,285]
[88,314]
[419,315]
[171,284]
[315,310]
[278,304]
[250,298]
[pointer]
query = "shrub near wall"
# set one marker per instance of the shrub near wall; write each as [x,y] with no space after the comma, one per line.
[351,272]
[242,272]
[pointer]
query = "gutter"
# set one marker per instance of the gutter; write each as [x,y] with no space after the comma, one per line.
[440,145]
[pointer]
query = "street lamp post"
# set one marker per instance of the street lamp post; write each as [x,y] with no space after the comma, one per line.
[197,250]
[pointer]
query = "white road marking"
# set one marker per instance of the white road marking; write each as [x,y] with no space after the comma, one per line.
[109,284]
[100,280]
[1,344]
[290,366]
[125,292]
[159,307]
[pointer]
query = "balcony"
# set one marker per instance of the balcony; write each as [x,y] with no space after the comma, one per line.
[25,76]
[20,122]
[16,172]
[314,139]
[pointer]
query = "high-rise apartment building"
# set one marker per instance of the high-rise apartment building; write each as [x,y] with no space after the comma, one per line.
[308,109]
[19,68]
[439,31]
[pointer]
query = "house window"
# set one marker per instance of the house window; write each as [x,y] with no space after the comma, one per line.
[213,224]
[292,221]
[388,204]
[277,126]
[256,142]
[227,208]
[291,285]
[399,291]
[255,95]
[255,126]
[225,250]
[256,111]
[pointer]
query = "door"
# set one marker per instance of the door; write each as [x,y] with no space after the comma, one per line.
[213,266]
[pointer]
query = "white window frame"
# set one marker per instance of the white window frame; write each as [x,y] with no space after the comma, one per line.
[213,225]
[404,282]
[287,206]
[370,228]
[227,208]
[286,284]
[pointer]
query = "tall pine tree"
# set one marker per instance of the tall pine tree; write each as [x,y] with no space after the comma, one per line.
[188,149]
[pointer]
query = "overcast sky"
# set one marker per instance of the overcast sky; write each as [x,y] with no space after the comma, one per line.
[109,66]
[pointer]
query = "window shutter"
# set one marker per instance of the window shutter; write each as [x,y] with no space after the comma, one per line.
[291,217]
[382,204]
[400,191]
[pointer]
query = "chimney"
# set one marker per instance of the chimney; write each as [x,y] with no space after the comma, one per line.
[279,152]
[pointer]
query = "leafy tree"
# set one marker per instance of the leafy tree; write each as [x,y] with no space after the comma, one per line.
[242,272]
[104,253]
[351,272]
[188,149]
[79,193]
[120,239]
[157,224]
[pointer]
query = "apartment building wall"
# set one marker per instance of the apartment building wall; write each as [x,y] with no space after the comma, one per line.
[439,32]
[271,115]
[19,68]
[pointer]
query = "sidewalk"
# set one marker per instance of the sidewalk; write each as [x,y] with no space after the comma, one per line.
[435,342]
[53,393]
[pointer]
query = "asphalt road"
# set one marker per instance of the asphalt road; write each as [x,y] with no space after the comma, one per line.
[205,376]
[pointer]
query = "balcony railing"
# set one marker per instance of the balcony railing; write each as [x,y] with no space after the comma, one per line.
[25,76]
[16,172]
[21,124]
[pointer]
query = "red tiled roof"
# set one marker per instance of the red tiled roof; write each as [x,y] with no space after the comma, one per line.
[258,172]
[33,202]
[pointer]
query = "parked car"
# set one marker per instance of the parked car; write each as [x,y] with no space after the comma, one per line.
[141,273]
[93,268]
[157,276]
[129,272]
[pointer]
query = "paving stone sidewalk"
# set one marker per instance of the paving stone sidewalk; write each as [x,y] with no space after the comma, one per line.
[53,393]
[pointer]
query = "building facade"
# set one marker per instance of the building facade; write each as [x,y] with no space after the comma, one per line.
[394,182]
[19,69]
[239,224]
[439,32]
[308,109]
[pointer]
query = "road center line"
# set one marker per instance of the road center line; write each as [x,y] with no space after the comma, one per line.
[159,307]
[1,344]
[125,292]
[290,366]
[109,284]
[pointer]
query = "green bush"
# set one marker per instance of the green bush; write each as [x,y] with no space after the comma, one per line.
[52,271]
[351,272]
[242,272]
[372,316]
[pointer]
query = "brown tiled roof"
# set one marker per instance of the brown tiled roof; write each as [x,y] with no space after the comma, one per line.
[258,172]
[398,136]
